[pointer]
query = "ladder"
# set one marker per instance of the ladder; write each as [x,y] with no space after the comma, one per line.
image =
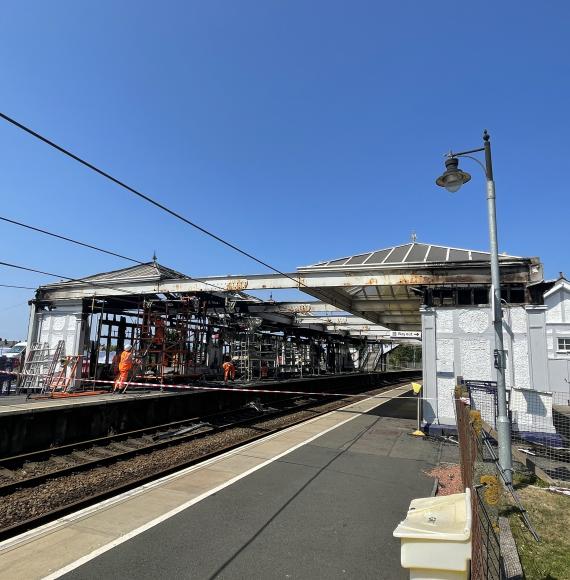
[240,354]
[39,367]
[62,380]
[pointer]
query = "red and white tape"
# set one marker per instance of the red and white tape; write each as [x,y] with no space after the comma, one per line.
[220,388]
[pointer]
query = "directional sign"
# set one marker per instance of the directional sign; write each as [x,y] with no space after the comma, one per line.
[405,334]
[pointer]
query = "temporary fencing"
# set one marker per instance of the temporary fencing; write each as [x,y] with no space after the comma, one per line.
[479,474]
[476,415]
[540,427]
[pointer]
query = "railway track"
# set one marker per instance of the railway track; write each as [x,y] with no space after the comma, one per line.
[31,469]
[44,485]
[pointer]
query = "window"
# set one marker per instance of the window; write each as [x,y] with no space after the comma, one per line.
[564,344]
[517,295]
[464,296]
[481,296]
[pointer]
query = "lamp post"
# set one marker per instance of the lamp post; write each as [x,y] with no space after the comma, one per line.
[452,179]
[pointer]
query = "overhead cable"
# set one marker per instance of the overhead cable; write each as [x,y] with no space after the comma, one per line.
[145,197]
[89,282]
[5,219]
[78,280]
[92,247]
[12,286]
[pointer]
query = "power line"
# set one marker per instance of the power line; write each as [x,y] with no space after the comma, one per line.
[87,282]
[12,286]
[27,269]
[144,196]
[13,306]
[86,245]
[92,247]
[152,201]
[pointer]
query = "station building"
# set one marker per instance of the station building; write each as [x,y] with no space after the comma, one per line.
[410,292]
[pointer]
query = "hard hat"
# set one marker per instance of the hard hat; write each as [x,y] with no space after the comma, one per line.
[128,347]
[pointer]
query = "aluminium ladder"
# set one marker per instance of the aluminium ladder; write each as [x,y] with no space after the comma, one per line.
[39,367]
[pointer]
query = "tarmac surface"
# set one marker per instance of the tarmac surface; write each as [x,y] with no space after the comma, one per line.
[324,510]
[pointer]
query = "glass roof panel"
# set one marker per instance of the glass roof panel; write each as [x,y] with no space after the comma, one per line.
[458,255]
[377,257]
[480,257]
[357,259]
[437,254]
[417,253]
[398,254]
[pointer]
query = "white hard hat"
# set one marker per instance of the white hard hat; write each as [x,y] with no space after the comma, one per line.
[128,347]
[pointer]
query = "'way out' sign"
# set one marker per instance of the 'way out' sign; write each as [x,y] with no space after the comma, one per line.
[405,334]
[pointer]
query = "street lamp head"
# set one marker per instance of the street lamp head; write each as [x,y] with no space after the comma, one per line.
[453,178]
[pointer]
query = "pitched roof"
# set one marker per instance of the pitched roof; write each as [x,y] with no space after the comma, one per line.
[560,284]
[411,253]
[140,272]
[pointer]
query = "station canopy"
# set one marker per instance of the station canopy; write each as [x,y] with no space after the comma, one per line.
[383,288]
[387,286]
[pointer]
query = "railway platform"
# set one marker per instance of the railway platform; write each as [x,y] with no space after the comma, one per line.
[35,424]
[317,500]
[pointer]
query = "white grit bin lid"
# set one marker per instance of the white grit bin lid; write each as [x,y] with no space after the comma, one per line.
[436,536]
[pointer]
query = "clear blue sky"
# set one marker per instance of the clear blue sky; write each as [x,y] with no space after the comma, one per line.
[300,130]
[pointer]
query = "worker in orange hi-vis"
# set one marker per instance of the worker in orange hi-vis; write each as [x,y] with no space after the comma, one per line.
[125,365]
[229,371]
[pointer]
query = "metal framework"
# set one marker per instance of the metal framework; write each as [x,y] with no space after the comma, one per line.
[385,287]
[184,328]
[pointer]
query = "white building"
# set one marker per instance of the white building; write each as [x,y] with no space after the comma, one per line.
[458,341]
[438,290]
[557,302]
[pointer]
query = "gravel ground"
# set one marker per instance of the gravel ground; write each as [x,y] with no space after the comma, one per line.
[61,491]
[448,478]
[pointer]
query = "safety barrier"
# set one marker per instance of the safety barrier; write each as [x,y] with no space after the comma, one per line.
[540,428]
[480,475]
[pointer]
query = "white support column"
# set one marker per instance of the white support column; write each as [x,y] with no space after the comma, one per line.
[32,325]
[429,364]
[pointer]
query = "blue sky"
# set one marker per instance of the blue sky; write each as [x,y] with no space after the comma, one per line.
[300,130]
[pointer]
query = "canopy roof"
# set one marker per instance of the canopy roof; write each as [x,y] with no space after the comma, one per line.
[385,287]
[412,253]
[147,271]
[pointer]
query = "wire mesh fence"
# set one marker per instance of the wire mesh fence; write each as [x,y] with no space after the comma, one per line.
[540,426]
[479,472]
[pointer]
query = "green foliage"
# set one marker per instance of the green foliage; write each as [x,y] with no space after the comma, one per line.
[405,355]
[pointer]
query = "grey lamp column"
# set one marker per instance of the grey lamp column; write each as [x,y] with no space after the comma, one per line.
[503,420]
[452,179]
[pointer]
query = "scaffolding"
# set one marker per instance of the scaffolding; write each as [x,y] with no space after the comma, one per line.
[255,355]
[179,338]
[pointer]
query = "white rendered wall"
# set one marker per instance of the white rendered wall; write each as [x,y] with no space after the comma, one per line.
[463,345]
[557,319]
[558,326]
[63,323]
